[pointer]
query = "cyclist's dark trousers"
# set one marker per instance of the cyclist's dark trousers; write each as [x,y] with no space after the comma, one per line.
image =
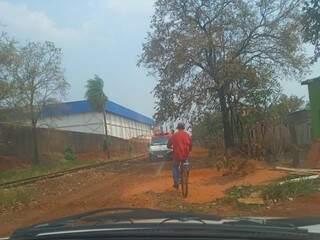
[175,170]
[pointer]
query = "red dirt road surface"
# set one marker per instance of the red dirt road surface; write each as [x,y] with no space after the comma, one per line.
[145,184]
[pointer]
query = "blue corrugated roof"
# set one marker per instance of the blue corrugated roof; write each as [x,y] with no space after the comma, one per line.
[84,106]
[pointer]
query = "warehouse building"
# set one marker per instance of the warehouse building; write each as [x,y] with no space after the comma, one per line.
[78,116]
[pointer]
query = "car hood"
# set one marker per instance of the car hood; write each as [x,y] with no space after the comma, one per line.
[134,218]
[312,224]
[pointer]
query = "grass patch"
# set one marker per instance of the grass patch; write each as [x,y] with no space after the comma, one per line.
[40,169]
[234,193]
[242,191]
[272,192]
[277,192]
[13,196]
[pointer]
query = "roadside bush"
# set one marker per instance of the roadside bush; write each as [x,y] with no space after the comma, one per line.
[69,154]
[234,165]
[275,192]
[225,163]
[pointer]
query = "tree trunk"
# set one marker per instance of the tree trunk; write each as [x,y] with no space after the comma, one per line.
[35,156]
[240,131]
[227,133]
[106,133]
[232,125]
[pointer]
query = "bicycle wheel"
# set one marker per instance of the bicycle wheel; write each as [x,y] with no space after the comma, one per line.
[184,182]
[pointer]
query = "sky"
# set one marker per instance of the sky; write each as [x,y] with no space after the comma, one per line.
[101,37]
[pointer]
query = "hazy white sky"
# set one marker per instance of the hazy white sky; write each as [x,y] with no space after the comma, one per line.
[101,37]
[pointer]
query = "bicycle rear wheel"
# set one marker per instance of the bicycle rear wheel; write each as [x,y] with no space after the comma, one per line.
[184,182]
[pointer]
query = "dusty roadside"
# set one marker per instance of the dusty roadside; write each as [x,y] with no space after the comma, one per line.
[147,184]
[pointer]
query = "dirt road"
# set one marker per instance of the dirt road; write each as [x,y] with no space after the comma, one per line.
[142,184]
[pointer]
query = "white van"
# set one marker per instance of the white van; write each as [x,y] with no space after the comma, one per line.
[158,147]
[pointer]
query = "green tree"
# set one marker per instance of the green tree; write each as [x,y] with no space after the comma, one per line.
[7,56]
[280,109]
[311,25]
[38,80]
[97,99]
[200,49]
[207,130]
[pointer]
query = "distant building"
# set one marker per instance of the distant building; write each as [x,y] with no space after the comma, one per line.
[314,96]
[78,116]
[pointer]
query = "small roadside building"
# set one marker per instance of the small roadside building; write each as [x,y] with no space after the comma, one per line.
[300,127]
[79,116]
[314,97]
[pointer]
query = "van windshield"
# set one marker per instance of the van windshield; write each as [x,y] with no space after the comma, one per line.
[159,141]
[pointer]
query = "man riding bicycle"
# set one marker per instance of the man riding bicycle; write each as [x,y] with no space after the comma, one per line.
[181,144]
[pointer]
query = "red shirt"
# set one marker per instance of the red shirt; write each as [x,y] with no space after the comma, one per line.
[182,144]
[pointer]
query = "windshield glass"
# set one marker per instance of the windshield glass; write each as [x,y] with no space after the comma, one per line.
[92,90]
[159,141]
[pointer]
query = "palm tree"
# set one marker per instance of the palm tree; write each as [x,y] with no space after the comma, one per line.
[97,99]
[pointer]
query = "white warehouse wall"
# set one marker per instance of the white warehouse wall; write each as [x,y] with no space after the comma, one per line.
[93,123]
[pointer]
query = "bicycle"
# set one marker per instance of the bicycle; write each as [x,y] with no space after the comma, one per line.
[184,177]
